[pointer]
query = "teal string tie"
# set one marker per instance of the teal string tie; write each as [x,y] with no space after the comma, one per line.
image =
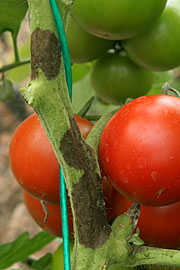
[68,73]
[64,46]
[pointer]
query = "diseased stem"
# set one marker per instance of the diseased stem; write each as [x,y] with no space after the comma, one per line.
[47,94]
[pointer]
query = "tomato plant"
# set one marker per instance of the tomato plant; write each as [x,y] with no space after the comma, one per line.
[140,148]
[115,78]
[159,226]
[157,48]
[84,47]
[33,161]
[53,224]
[117,20]
[152,155]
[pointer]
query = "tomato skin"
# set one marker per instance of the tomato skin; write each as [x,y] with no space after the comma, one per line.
[140,149]
[33,161]
[157,48]
[53,225]
[115,78]
[117,21]
[84,47]
[84,125]
[159,226]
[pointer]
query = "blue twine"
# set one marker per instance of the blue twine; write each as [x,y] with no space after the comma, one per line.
[64,46]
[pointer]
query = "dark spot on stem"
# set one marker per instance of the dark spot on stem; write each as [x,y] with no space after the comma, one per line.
[45,54]
[87,195]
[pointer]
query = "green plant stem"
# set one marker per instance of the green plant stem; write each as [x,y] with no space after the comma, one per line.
[14,65]
[16,52]
[149,255]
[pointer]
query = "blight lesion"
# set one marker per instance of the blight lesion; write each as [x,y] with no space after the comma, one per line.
[45,54]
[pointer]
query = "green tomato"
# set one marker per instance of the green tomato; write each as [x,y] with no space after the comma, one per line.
[117,19]
[84,47]
[157,49]
[58,257]
[115,78]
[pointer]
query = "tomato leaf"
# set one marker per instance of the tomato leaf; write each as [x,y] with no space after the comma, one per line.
[162,77]
[136,240]
[7,91]
[12,13]
[22,247]
[22,268]
[43,263]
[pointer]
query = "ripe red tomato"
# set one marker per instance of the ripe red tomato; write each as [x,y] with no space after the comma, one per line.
[53,224]
[119,19]
[84,47]
[115,78]
[157,48]
[159,226]
[33,161]
[140,149]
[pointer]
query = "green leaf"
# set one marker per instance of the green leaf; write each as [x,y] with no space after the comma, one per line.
[7,91]
[136,240]
[21,268]
[22,247]
[79,71]
[12,13]
[161,78]
[43,263]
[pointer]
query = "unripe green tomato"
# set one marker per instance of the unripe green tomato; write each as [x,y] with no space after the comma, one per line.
[157,49]
[115,78]
[58,257]
[117,19]
[84,47]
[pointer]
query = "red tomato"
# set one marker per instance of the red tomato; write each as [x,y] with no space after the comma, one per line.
[140,150]
[159,226]
[85,126]
[33,161]
[53,224]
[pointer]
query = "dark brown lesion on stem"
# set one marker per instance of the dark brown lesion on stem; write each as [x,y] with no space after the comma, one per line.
[87,194]
[45,54]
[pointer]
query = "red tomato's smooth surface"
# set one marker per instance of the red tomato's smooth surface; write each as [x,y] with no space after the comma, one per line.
[33,161]
[159,226]
[140,150]
[53,224]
